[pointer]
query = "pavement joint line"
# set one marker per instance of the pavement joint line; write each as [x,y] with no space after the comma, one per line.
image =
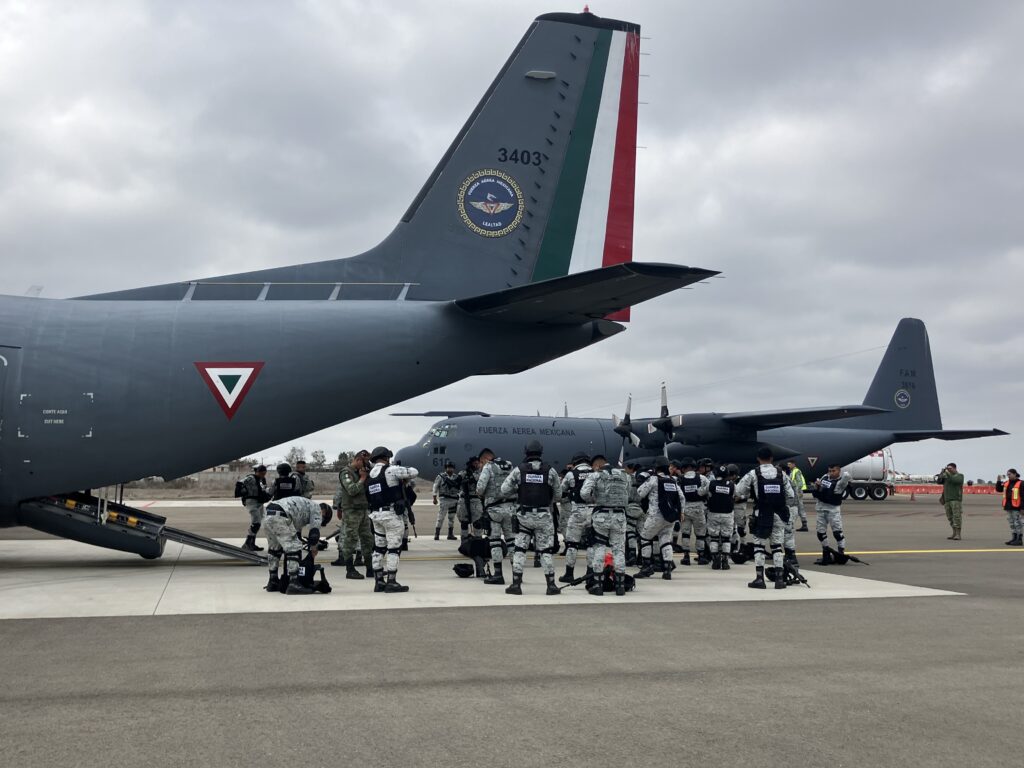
[856,552]
[174,565]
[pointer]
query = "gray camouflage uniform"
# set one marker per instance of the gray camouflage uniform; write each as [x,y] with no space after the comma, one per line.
[655,526]
[251,501]
[829,516]
[608,490]
[499,507]
[747,486]
[694,517]
[469,509]
[579,521]
[284,522]
[446,490]
[535,524]
[634,514]
[388,525]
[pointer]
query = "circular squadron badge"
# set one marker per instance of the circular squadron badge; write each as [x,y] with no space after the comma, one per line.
[902,398]
[490,203]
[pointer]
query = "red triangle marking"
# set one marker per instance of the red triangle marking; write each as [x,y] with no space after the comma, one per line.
[229,410]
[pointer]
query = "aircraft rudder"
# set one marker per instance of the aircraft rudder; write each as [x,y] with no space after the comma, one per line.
[904,383]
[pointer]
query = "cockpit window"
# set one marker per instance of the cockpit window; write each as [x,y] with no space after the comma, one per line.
[443,431]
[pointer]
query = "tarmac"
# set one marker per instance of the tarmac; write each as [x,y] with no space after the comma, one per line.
[913,660]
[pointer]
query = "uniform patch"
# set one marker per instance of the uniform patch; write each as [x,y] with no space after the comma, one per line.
[229,382]
[534,478]
[772,488]
[490,203]
[902,398]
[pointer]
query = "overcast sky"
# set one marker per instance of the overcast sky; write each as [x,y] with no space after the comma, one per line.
[843,164]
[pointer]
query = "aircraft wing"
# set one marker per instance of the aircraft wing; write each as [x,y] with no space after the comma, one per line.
[582,297]
[443,414]
[913,435]
[773,419]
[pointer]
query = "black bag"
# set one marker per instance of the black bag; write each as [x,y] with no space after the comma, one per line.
[463,570]
[239,488]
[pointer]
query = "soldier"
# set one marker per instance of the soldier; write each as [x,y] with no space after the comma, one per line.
[952,498]
[694,489]
[771,491]
[796,477]
[285,520]
[304,483]
[829,490]
[1012,491]
[664,510]
[470,509]
[578,524]
[499,509]
[634,514]
[446,499]
[721,504]
[252,489]
[608,490]
[285,484]
[354,509]
[535,486]
[789,531]
[386,497]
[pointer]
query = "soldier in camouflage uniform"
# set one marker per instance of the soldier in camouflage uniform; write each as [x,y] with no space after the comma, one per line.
[773,494]
[304,482]
[634,513]
[354,510]
[284,523]
[578,526]
[385,492]
[446,498]
[663,511]
[693,487]
[721,504]
[254,494]
[535,486]
[499,508]
[828,491]
[470,509]
[608,490]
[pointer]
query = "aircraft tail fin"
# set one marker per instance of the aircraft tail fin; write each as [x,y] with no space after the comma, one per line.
[538,184]
[904,383]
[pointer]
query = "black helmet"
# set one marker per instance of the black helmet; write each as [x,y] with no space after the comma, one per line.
[706,463]
[380,452]
[688,462]
[732,469]
[259,468]
[660,462]
[534,448]
[580,458]
[284,468]
[449,463]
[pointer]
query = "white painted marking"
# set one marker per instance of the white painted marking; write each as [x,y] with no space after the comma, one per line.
[57,579]
[244,373]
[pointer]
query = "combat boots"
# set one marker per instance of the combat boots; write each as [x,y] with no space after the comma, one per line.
[451,534]
[341,560]
[620,584]
[250,544]
[666,571]
[725,561]
[369,569]
[481,567]
[780,578]
[716,561]
[591,577]
[803,528]
[378,581]
[568,575]
[956,534]
[646,569]
[686,558]
[826,557]
[516,587]
[295,587]
[350,570]
[1015,541]
[758,582]
[497,578]
[437,534]
[405,546]
[392,584]
[552,588]
[596,584]
[702,558]
[274,583]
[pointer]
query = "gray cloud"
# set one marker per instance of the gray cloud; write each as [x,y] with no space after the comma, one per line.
[844,165]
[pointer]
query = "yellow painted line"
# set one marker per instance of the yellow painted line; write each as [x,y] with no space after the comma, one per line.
[1017,550]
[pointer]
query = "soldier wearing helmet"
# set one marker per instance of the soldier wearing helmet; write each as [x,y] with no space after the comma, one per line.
[446,499]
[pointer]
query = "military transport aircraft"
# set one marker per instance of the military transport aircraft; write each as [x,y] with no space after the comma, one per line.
[518,246]
[901,406]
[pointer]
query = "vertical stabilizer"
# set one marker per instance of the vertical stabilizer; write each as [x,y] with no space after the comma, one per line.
[904,383]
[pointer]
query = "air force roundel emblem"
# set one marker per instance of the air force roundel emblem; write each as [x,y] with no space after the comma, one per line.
[902,398]
[490,203]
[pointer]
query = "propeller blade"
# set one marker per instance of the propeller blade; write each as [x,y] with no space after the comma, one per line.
[622,454]
[664,401]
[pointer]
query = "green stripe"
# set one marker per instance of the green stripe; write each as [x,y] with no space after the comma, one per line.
[556,249]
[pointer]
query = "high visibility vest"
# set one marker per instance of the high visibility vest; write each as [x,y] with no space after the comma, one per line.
[794,475]
[1011,495]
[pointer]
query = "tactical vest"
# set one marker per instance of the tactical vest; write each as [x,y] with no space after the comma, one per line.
[579,476]
[499,471]
[534,488]
[668,499]
[613,489]
[469,484]
[691,488]
[639,479]
[1012,495]
[285,487]
[378,493]
[449,486]
[827,493]
[720,494]
[771,495]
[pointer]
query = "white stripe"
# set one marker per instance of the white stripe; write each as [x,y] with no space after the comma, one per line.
[229,397]
[588,247]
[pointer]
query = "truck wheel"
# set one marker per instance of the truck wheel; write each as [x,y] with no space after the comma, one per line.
[858,493]
[879,492]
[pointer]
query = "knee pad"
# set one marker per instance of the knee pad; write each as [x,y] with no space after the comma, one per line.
[380,550]
[837,535]
[572,544]
[741,532]
[495,543]
[822,536]
[393,551]
[776,548]
[278,552]
[517,548]
[759,548]
[292,557]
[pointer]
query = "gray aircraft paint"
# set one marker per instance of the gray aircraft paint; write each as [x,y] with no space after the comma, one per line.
[903,391]
[106,389]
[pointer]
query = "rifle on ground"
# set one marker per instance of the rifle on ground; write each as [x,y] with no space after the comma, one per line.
[842,557]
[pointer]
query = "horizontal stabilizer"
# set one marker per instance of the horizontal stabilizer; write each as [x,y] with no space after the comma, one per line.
[913,435]
[774,419]
[583,297]
[444,414]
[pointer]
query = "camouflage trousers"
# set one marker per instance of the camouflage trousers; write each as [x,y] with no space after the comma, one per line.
[657,528]
[535,525]
[256,515]
[720,527]
[282,539]
[739,524]
[356,534]
[446,508]
[472,517]
[634,522]
[575,527]
[800,509]
[789,539]
[609,532]
[831,517]
[1013,518]
[955,513]
[501,529]
[694,520]
[774,541]
[388,532]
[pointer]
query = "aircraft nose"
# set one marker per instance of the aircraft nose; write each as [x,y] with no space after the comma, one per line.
[406,456]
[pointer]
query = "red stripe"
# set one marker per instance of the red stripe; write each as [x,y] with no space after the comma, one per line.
[618,239]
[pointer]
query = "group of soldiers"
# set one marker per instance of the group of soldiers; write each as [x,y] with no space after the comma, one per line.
[617,517]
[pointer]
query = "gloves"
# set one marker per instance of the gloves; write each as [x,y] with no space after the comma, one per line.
[313,539]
